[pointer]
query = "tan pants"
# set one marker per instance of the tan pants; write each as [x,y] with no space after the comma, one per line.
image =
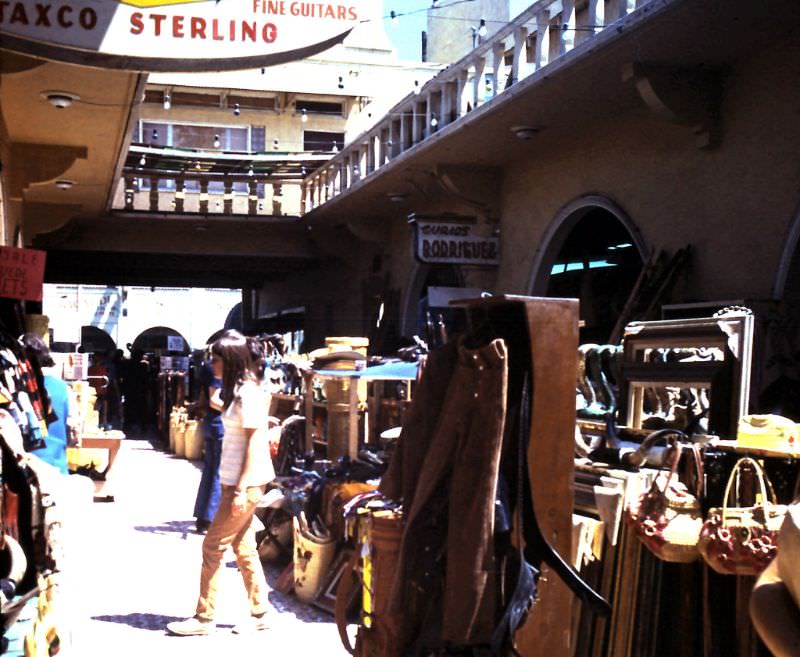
[232,530]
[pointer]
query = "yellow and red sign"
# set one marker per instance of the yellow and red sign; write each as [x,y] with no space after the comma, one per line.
[179,35]
[21,273]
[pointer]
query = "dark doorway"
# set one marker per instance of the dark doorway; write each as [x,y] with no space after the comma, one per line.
[597,263]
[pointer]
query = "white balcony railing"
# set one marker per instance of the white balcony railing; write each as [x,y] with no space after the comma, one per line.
[544,32]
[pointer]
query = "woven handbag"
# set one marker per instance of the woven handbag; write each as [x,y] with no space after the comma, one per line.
[742,540]
[667,518]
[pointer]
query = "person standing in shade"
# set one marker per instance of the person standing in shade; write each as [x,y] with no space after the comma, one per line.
[245,469]
[60,432]
[209,491]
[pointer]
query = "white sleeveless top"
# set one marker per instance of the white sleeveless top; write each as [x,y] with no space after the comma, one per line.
[249,410]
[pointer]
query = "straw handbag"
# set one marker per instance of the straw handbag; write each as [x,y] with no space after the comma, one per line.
[312,558]
[667,518]
[742,540]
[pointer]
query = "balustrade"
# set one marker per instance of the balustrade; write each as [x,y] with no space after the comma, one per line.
[547,30]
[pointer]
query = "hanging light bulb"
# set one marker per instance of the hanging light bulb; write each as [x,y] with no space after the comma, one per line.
[304,115]
[167,102]
[482,29]
[155,135]
[142,161]
[394,17]
[434,4]
[197,165]
[263,70]
[217,142]
[417,88]
[275,144]
[434,121]
[341,82]
[250,172]
[236,109]
[334,148]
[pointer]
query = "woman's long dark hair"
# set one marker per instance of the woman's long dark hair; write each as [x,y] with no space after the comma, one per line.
[241,360]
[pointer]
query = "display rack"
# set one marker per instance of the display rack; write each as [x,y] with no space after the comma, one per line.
[352,413]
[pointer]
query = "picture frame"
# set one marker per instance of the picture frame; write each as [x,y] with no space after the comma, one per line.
[326,598]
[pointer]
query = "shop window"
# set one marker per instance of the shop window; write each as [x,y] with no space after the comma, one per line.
[319,107]
[188,135]
[598,263]
[252,102]
[315,140]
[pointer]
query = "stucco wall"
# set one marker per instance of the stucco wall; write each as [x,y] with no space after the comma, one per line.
[733,204]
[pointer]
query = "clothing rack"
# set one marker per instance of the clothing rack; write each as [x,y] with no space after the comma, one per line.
[552,329]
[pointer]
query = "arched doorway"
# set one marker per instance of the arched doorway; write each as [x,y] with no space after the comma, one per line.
[418,309]
[780,361]
[591,252]
[95,340]
[161,340]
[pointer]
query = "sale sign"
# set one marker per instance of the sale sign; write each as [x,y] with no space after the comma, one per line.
[179,35]
[21,273]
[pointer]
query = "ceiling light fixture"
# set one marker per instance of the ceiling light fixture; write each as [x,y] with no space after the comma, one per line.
[155,135]
[236,109]
[393,17]
[525,131]
[482,29]
[64,184]
[396,197]
[434,121]
[167,101]
[341,82]
[60,99]
[304,115]
[142,161]
[217,142]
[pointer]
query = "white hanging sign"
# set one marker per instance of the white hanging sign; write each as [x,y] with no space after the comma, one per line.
[177,35]
[452,242]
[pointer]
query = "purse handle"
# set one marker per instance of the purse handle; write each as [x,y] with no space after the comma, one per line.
[764,484]
[679,448]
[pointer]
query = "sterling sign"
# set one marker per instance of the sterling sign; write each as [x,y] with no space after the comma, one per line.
[452,242]
[173,35]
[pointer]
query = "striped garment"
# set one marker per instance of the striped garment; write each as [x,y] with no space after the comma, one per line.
[249,410]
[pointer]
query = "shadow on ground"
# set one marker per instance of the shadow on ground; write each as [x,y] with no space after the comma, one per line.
[155,622]
[184,527]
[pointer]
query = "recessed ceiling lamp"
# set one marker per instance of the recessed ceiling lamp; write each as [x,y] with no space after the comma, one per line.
[397,197]
[64,184]
[60,99]
[525,131]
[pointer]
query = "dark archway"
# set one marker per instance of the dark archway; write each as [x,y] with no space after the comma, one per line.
[95,340]
[592,255]
[157,340]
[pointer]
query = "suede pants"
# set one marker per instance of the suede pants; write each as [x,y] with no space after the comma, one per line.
[233,530]
[447,472]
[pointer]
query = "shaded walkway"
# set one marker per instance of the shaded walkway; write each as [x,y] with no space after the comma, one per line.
[138,569]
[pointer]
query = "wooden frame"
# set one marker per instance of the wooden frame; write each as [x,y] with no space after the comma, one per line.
[326,598]
[727,380]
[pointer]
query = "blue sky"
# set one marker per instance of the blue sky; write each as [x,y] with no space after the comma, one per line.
[405,33]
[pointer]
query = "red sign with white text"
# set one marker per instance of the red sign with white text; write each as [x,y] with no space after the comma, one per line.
[21,273]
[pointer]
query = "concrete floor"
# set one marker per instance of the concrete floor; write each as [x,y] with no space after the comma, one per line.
[135,567]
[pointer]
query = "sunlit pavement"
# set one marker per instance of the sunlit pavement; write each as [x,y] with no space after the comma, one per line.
[137,568]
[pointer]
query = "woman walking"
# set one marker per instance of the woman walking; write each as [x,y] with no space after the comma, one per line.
[245,470]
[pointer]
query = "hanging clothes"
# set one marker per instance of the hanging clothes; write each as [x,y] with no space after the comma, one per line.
[448,469]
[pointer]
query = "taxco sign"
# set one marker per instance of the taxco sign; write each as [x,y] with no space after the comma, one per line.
[454,241]
[178,35]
